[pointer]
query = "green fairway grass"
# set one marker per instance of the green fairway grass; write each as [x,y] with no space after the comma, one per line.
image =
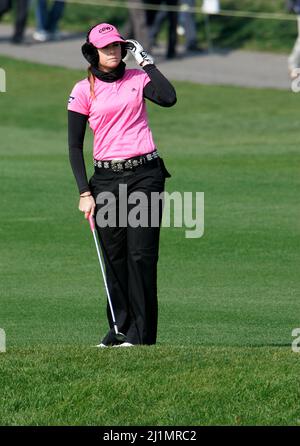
[228,301]
[150,386]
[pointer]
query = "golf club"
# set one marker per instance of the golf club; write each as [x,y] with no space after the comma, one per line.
[118,335]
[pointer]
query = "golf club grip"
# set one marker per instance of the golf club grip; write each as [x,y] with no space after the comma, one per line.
[92,222]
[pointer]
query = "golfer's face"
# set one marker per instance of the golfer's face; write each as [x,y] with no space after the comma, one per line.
[109,56]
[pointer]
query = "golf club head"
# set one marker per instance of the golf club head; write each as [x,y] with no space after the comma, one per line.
[120,337]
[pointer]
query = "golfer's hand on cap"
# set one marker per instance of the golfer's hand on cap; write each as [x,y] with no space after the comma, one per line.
[135,48]
[87,205]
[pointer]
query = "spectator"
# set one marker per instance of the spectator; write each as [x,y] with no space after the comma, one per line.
[136,27]
[187,25]
[47,18]
[22,7]
[155,20]
[294,58]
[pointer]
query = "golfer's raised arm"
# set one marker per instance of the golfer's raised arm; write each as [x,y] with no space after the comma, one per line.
[159,90]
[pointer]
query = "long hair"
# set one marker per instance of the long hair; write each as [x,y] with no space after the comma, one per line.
[91,79]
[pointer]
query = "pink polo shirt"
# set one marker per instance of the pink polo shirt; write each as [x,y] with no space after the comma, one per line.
[117,116]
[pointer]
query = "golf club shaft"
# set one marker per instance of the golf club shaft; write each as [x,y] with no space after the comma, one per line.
[92,224]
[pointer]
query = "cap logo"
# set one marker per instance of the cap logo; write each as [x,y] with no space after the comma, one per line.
[105,29]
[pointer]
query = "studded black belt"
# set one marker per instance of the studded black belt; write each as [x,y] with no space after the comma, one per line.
[119,165]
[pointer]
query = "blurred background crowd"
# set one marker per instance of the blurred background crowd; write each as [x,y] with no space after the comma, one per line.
[47,13]
[150,22]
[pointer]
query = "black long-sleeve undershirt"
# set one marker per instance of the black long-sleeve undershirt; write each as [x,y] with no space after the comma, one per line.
[76,131]
[159,90]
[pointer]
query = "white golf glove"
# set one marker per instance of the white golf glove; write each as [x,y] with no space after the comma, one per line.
[135,48]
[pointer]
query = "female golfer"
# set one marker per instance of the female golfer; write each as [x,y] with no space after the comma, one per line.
[126,161]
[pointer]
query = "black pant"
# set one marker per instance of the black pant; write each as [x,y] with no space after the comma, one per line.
[22,7]
[136,26]
[172,17]
[131,254]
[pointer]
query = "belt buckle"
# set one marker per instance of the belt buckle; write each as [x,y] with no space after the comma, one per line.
[116,165]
